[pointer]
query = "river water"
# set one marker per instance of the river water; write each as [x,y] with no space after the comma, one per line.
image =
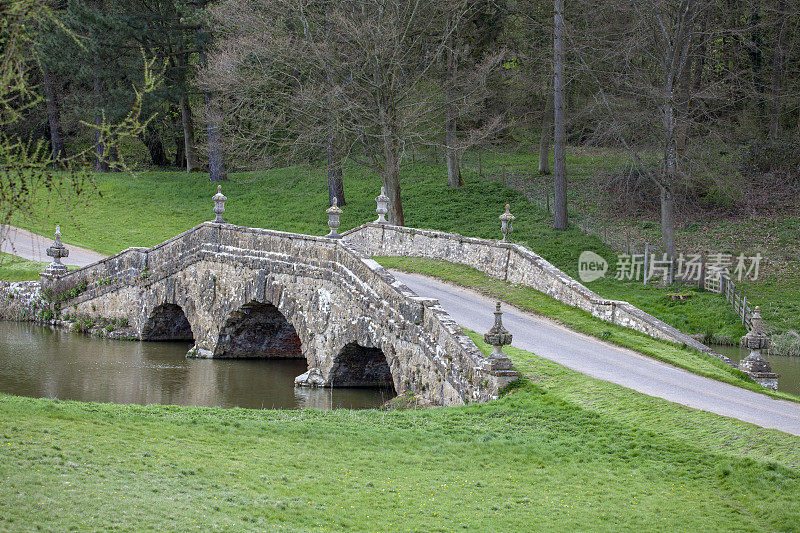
[787,367]
[39,362]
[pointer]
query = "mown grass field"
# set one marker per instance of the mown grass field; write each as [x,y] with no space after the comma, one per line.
[561,452]
[154,206]
[13,268]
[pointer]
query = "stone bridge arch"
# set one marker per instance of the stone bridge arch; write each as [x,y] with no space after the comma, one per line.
[361,366]
[258,330]
[167,322]
[345,309]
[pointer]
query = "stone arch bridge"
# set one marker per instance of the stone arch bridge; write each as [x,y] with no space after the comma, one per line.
[247,292]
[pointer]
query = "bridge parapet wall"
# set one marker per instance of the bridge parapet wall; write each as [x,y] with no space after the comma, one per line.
[516,264]
[431,354]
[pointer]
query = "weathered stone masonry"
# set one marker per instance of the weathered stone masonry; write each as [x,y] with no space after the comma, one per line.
[342,305]
[515,264]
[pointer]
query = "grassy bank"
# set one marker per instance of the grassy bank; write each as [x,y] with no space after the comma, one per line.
[561,452]
[537,302]
[154,206]
[13,268]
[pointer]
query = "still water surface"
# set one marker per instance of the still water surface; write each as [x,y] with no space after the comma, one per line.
[43,363]
[787,367]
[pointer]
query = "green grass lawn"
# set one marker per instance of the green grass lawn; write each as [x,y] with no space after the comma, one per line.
[153,206]
[13,268]
[561,451]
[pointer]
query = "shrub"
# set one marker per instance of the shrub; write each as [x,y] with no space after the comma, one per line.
[780,157]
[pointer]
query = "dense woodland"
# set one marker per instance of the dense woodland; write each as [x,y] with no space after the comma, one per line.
[696,93]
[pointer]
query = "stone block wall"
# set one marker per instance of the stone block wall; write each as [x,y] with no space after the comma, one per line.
[516,264]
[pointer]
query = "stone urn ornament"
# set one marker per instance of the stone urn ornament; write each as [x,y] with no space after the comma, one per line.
[498,336]
[219,205]
[507,223]
[57,250]
[333,219]
[383,207]
[754,364]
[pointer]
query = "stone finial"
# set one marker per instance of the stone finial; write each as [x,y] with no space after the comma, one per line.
[756,321]
[57,250]
[219,205]
[507,223]
[333,219]
[383,207]
[754,364]
[498,336]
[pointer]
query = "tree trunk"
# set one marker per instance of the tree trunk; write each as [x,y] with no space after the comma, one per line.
[454,178]
[177,131]
[777,71]
[335,174]
[53,114]
[391,184]
[560,221]
[682,108]
[391,170]
[100,162]
[216,157]
[544,139]
[216,161]
[188,135]
[670,175]
[152,141]
[668,222]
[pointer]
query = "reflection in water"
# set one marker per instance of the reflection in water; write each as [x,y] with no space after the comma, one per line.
[40,362]
[787,367]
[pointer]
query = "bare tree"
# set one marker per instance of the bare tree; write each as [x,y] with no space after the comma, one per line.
[295,74]
[643,82]
[560,220]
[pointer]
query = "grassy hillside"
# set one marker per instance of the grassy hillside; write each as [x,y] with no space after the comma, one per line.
[764,218]
[560,452]
[153,206]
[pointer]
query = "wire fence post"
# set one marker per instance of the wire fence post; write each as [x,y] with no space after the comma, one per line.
[646,257]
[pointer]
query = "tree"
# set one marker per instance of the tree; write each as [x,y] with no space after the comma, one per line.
[371,83]
[470,56]
[26,166]
[560,221]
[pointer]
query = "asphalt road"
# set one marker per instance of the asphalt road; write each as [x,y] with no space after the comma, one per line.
[601,360]
[33,247]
